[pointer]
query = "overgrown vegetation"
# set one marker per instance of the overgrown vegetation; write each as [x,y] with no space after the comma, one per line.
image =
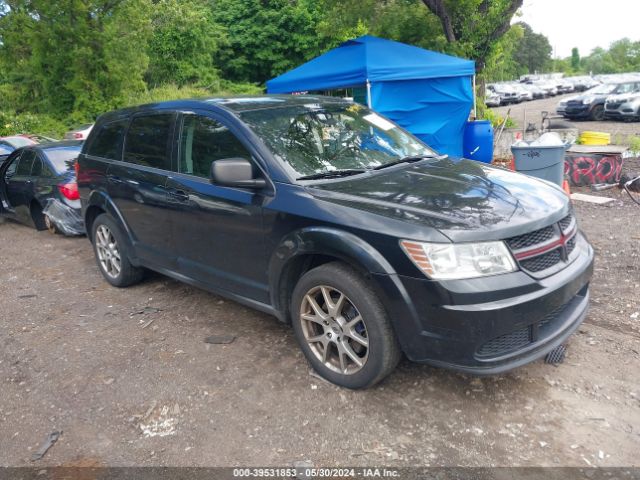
[63,63]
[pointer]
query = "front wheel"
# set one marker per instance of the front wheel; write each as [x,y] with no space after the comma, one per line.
[342,327]
[597,113]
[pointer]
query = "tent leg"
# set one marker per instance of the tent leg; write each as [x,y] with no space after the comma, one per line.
[368,93]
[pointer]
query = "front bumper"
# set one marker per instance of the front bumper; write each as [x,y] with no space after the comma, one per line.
[577,111]
[625,110]
[494,324]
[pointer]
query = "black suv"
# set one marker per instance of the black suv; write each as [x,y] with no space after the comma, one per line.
[329,216]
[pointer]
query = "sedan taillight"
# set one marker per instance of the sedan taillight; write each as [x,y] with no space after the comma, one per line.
[78,136]
[69,190]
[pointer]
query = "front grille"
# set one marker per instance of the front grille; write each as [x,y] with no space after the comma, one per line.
[533,238]
[542,262]
[571,245]
[613,106]
[522,337]
[526,246]
[565,223]
[506,343]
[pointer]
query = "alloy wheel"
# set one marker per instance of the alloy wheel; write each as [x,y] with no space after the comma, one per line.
[108,252]
[334,329]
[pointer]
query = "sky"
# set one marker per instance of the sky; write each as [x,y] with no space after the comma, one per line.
[585,24]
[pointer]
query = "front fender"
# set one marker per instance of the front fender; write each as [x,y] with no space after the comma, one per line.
[356,252]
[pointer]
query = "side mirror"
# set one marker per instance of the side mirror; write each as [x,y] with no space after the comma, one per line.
[235,172]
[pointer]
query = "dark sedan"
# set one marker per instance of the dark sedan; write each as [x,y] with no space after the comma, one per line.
[38,187]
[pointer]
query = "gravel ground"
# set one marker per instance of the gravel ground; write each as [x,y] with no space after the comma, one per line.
[620,131]
[128,378]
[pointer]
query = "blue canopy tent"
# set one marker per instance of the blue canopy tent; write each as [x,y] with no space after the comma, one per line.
[428,93]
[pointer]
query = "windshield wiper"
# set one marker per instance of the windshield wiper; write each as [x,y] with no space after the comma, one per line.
[332,174]
[409,159]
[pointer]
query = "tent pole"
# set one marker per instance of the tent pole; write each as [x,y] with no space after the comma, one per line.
[368,93]
[475,100]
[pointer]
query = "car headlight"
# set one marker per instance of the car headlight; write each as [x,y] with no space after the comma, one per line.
[449,261]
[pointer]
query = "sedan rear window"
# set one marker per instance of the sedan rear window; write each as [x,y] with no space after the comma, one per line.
[63,158]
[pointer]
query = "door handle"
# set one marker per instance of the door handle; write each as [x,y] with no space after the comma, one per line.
[179,195]
[114,179]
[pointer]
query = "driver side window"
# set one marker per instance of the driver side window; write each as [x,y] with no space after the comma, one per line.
[205,140]
[11,169]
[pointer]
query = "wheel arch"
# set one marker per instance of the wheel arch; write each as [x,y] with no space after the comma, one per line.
[99,203]
[306,249]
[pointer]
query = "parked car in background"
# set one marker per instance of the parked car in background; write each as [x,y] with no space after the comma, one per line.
[331,217]
[80,133]
[536,92]
[623,106]
[550,88]
[17,141]
[583,83]
[40,138]
[524,95]
[506,93]
[591,104]
[38,187]
[491,98]
[564,85]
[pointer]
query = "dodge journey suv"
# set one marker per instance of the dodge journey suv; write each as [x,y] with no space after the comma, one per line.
[331,217]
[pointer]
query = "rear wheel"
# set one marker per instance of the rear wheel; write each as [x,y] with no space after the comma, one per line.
[112,253]
[50,225]
[342,327]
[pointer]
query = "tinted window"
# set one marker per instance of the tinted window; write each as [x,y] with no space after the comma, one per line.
[26,161]
[36,170]
[63,158]
[11,169]
[148,140]
[205,140]
[107,143]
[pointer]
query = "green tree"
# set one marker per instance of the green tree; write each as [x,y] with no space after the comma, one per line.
[575,59]
[71,56]
[534,50]
[474,26]
[185,44]
[265,38]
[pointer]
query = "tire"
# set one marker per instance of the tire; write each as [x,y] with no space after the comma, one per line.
[53,229]
[111,252]
[340,337]
[597,113]
[38,217]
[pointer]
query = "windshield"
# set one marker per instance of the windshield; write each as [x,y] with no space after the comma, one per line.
[625,88]
[317,138]
[63,158]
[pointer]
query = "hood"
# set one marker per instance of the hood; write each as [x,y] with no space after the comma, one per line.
[465,200]
[623,97]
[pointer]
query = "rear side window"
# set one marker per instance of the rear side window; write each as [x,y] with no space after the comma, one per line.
[36,170]
[147,141]
[107,142]
[63,159]
[204,141]
[26,162]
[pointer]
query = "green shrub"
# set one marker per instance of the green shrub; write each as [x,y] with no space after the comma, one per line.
[12,124]
[173,92]
[485,113]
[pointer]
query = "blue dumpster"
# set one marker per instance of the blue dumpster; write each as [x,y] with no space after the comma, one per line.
[477,141]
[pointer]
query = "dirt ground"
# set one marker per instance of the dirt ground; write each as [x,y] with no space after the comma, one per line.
[620,131]
[127,376]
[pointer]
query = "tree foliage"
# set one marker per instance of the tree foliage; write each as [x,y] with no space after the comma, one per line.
[475,26]
[534,50]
